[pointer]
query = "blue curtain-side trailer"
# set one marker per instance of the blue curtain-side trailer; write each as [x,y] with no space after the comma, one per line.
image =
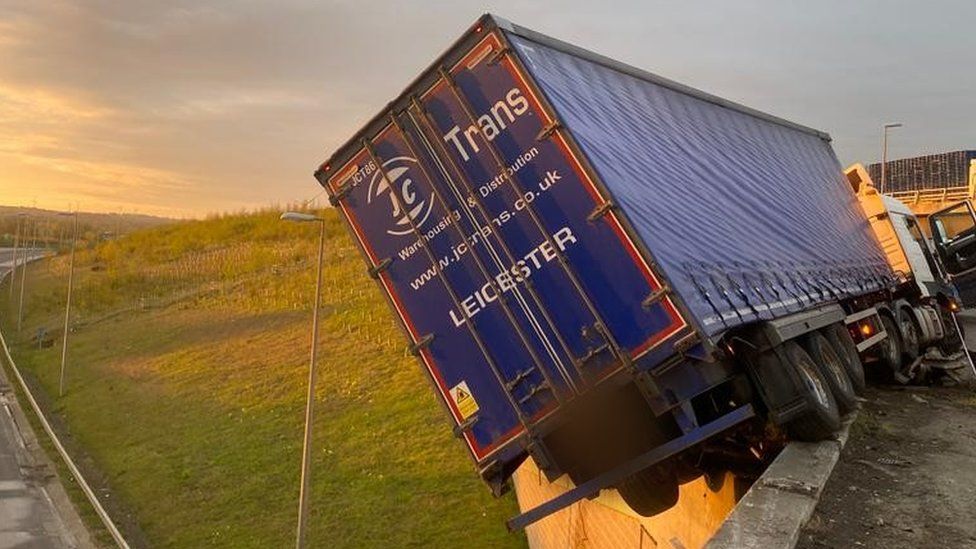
[612,273]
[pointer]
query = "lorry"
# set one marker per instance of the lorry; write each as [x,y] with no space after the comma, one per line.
[926,300]
[627,280]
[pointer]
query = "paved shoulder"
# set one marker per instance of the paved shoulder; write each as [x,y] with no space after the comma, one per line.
[27,514]
[35,512]
[34,509]
[907,478]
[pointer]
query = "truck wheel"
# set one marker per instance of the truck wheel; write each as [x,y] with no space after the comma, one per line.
[650,491]
[685,471]
[715,480]
[843,343]
[822,418]
[833,370]
[909,338]
[891,347]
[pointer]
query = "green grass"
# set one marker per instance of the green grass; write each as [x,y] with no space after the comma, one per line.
[185,393]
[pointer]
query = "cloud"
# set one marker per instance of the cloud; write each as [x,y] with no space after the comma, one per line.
[154,106]
[191,106]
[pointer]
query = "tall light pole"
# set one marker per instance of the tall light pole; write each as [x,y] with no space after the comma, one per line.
[13,268]
[310,398]
[884,152]
[23,278]
[67,304]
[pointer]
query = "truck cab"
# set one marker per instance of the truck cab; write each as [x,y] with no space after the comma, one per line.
[928,291]
[943,266]
[902,237]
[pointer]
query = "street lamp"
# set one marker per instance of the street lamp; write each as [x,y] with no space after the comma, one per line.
[884,152]
[310,398]
[67,305]
[23,276]
[13,268]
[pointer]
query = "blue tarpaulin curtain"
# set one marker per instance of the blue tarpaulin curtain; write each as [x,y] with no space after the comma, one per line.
[748,218]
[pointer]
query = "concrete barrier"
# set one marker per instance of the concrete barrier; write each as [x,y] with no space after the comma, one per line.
[782,500]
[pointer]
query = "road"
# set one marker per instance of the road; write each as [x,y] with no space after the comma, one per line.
[906,477]
[28,514]
[6,258]
[34,509]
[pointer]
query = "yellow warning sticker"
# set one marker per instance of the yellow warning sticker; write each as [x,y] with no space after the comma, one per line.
[464,400]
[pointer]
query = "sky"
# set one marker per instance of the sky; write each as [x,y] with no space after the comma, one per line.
[186,108]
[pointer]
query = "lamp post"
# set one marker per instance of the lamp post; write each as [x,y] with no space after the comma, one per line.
[23,277]
[884,152]
[13,268]
[310,398]
[67,305]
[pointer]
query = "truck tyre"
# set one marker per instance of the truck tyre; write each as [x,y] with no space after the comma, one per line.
[833,370]
[909,333]
[822,418]
[715,480]
[890,348]
[843,343]
[650,491]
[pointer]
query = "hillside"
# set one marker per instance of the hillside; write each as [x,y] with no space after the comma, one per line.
[185,390]
[52,227]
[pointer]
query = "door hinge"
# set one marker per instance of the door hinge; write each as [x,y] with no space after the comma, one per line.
[686,342]
[424,342]
[465,426]
[497,56]
[655,296]
[600,211]
[374,272]
[550,128]
[334,199]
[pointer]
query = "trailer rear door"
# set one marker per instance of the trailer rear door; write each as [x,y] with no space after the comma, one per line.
[503,258]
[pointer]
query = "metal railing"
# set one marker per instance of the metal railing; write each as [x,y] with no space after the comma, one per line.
[945,194]
[70,463]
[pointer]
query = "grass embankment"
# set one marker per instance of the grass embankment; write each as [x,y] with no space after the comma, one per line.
[185,390]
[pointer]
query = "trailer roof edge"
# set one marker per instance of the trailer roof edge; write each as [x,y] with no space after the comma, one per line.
[343,151]
[642,74]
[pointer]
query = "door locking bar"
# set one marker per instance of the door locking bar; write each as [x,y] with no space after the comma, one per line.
[519,377]
[592,352]
[536,389]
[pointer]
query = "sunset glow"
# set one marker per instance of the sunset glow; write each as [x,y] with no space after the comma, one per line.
[184,108]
